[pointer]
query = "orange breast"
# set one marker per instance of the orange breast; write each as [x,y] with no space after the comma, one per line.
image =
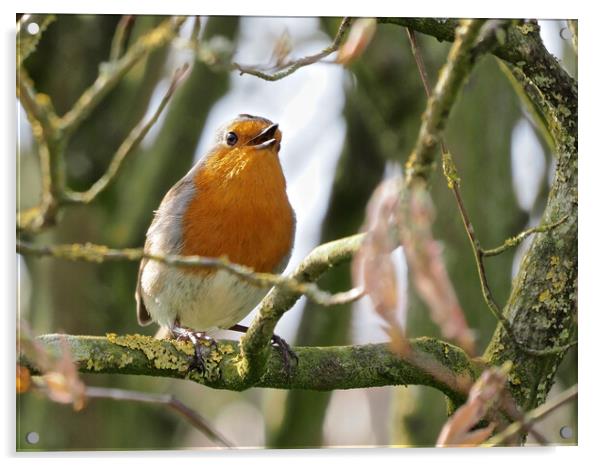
[240,210]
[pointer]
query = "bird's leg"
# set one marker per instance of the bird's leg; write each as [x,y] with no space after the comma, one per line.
[288,354]
[201,351]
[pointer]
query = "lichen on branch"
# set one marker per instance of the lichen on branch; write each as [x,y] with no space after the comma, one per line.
[433,363]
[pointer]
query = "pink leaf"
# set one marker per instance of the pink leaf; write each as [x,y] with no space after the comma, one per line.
[427,267]
[483,396]
[373,268]
[360,36]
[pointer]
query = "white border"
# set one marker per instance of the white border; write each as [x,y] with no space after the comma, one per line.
[589,194]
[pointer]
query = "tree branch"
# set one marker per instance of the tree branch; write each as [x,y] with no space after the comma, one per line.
[292,66]
[479,253]
[119,38]
[542,306]
[44,124]
[433,363]
[343,248]
[436,363]
[517,44]
[460,62]
[516,240]
[551,88]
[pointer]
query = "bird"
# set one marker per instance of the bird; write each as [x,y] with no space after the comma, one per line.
[232,203]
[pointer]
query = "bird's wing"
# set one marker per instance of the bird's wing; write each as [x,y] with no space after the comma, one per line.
[171,210]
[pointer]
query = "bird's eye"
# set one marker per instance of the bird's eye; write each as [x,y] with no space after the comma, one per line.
[231,138]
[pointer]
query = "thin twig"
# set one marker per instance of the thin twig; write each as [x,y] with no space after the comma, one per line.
[118,43]
[292,66]
[453,182]
[37,107]
[532,417]
[419,63]
[509,407]
[169,400]
[128,146]
[515,240]
[98,253]
[44,122]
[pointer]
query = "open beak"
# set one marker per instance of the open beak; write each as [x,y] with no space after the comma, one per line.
[265,138]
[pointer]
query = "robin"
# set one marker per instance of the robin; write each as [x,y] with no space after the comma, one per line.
[232,203]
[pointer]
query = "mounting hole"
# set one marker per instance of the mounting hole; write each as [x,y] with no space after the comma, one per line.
[566,432]
[32,438]
[33,28]
[565,34]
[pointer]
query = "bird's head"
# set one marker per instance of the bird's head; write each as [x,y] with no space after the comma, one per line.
[253,135]
[245,154]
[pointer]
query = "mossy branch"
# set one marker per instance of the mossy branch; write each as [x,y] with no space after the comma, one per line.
[552,90]
[453,181]
[459,64]
[523,235]
[254,362]
[515,46]
[542,305]
[432,362]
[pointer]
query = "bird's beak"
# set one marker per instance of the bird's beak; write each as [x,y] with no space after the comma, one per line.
[265,138]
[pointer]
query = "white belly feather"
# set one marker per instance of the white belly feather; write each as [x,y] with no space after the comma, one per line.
[200,302]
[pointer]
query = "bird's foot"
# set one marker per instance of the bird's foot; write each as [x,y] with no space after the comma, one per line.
[202,343]
[288,355]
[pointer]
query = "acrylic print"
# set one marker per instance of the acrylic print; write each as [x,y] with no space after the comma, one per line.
[255,232]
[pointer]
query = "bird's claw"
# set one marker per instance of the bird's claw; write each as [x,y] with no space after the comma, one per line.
[201,349]
[288,355]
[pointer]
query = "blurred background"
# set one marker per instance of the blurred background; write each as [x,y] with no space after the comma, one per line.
[343,130]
